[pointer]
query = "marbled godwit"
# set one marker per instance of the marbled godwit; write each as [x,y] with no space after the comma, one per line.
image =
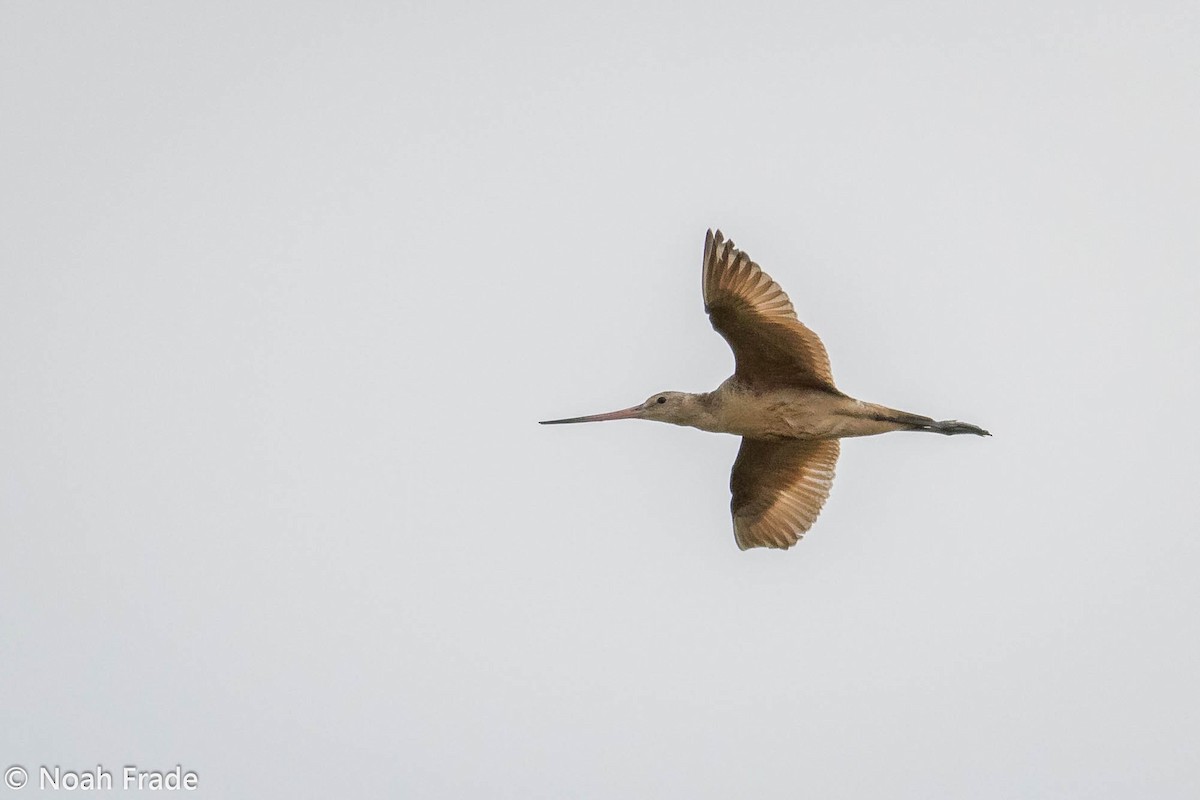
[780,399]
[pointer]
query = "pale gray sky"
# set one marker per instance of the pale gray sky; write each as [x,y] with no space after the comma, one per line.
[285,287]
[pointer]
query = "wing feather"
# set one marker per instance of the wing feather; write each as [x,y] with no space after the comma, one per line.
[779,488]
[754,315]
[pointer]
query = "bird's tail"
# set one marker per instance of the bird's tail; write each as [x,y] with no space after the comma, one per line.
[947,427]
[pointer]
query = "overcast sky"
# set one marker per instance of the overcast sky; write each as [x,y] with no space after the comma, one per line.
[284,289]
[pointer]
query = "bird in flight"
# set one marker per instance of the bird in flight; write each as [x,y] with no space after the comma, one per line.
[780,399]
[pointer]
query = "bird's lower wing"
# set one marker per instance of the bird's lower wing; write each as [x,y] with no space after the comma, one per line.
[778,489]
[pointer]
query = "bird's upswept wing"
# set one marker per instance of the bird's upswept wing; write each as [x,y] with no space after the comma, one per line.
[772,347]
[778,489]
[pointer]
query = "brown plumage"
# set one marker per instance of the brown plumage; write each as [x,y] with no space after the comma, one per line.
[781,399]
[771,346]
[778,489]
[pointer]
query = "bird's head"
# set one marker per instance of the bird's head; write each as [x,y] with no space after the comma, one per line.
[678,408]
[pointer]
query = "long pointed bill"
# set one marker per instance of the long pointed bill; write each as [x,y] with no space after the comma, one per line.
[626,413]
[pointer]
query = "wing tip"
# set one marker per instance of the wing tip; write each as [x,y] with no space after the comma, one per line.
[713,240]
[779,542]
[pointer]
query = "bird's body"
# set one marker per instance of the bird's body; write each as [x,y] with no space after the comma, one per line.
[781,400]
[788,413]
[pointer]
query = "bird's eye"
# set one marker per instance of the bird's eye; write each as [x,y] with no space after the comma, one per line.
[662,400]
